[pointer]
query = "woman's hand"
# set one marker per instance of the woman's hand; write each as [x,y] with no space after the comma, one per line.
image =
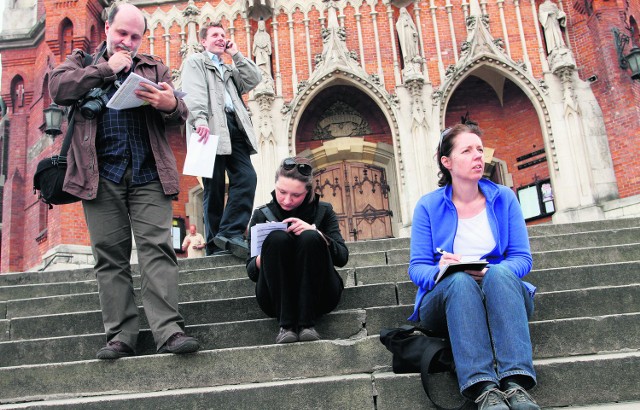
[448,258]
[477,275]
[297,226]
[258,262]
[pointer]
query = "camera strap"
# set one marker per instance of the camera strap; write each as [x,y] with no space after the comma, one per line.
[88,59]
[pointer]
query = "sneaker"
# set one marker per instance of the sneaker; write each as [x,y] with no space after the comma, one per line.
[519,399]
[308,334]
[286,336]
[179,343]
[114,349]
[491,399]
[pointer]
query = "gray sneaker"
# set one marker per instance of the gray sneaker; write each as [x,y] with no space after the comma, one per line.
[491,399]
[286,336]
[308,334]
[519,399]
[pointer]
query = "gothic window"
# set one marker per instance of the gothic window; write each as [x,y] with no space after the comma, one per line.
[17,92]
[66,38]
[635,34]
[93,41]
[46,97]
[43,215]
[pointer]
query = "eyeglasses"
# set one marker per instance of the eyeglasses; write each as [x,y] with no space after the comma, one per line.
[443,135]
[290,163]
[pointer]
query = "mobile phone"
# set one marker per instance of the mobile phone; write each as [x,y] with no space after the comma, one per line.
[228,44]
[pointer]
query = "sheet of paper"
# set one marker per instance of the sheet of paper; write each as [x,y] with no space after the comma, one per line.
[259,233]
[125,97]
[200,157]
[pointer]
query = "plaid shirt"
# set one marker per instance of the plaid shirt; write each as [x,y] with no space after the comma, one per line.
[122,140]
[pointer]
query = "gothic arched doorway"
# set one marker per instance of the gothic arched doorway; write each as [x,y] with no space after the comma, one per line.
[512,136]
[342,129]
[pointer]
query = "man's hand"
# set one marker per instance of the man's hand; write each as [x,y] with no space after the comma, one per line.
[203,132]
[162,100]
[120,61]
[231,49]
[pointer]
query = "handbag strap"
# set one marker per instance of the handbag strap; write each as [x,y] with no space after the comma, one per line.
[432,351]
[268,214]
[62,158]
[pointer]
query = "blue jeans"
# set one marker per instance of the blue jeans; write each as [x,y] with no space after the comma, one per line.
[487,324]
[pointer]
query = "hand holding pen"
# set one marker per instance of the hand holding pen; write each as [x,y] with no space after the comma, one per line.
[447,257]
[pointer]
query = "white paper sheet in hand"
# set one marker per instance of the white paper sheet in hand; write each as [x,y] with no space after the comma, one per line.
[200,157]
[126,97]
[259,233]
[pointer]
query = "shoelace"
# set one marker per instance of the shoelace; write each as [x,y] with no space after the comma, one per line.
[490,397]
[519,394]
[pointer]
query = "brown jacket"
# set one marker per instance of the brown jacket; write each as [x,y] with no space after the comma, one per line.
[70,81]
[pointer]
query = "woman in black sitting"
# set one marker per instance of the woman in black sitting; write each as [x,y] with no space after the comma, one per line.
[296,281]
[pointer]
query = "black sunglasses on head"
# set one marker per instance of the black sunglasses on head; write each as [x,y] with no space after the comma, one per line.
[289,163]
[443,135]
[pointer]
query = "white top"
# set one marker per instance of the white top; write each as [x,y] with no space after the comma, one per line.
[473,238]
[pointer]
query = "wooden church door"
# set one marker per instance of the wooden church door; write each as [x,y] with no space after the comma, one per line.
[359,195]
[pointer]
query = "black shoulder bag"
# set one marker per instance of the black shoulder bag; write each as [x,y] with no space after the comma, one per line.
[414,351]
[50,173]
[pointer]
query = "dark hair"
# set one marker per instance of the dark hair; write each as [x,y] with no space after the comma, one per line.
[294,173]
[114,11]
[204,29]
[445,146]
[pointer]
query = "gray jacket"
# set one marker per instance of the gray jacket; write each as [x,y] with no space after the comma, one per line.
[205,96]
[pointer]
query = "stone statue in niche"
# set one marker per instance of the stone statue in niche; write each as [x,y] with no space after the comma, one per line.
[262,48]
[551,19]
[262,54]
[409,44]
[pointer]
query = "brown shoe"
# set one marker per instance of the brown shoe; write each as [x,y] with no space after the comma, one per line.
[179,343]
[114,349]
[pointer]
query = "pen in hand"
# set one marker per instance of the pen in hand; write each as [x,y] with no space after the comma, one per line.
[441,251]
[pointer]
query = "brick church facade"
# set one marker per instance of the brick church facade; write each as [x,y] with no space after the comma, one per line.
[362,88]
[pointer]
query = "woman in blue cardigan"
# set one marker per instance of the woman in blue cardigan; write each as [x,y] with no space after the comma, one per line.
[485,313]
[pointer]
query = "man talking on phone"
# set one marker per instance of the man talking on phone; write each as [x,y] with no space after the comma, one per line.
[214,98]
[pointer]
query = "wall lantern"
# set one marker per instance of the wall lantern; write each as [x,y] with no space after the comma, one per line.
[53,119]
[631,60]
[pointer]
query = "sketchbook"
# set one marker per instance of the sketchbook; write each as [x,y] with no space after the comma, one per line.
[460,266]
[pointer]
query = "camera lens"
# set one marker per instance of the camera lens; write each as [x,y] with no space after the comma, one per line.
[91,109]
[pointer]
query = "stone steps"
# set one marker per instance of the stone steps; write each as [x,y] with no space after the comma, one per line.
[358,372]
[584,333]
[550,338]
[232,281]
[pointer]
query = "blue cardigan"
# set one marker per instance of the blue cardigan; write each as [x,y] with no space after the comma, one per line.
[435,222]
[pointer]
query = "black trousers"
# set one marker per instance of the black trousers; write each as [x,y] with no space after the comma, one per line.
[230,220]
[297,281]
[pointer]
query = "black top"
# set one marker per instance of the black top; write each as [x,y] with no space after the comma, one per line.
[315,212]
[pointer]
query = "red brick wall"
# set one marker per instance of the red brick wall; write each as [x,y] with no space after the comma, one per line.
[618,95]
[512,127]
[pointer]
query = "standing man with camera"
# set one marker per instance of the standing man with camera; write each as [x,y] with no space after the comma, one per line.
[215,106]
[121,165]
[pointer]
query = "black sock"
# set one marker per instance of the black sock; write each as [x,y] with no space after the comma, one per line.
[518,379]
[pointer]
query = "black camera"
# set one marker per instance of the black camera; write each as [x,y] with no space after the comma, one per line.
[93,103]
